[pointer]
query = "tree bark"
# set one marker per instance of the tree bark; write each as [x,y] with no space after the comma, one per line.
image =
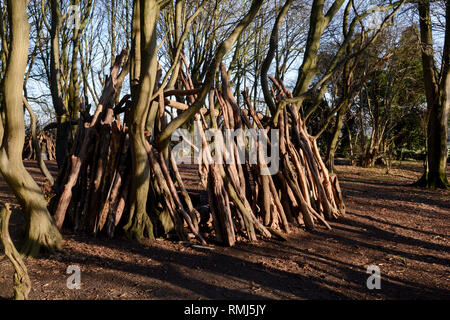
[270,55]
[318,22]
[148,11]
[41,229]
[62,116]
[22,283]
[35,142]
[438,104]
[335,138]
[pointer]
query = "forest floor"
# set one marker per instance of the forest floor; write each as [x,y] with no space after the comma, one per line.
[403,230]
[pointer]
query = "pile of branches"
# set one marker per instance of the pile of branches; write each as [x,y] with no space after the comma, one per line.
[246,200]
[97,163]
[94,185]
[47,144]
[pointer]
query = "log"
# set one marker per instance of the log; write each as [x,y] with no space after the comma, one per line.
[22,283]
[105,100]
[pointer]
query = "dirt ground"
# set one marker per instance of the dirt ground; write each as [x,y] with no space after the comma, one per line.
[403,230]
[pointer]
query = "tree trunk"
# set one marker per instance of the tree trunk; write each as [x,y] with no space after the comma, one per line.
[270,55]
[41,229]
[335,139]
[148,11]
[437,100]
[62,117]
[35,143]
[22,284]
[317,24]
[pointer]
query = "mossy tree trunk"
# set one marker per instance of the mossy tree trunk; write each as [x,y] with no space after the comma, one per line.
[22,283]
[318,22]
[41,229]
[273,44]
[62,116]
[437,94]
[144,39]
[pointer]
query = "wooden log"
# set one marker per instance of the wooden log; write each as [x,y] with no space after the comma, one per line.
[310,157]
[192,226]
[66,196]
[116,182]
[193,213]
[121,204]
[222,206]
[97,193]
[176,92]
[176,104]
[106,99]
[267,200]
[83,192]
[213,207]
[338,193]
[22,283]
[165,193]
